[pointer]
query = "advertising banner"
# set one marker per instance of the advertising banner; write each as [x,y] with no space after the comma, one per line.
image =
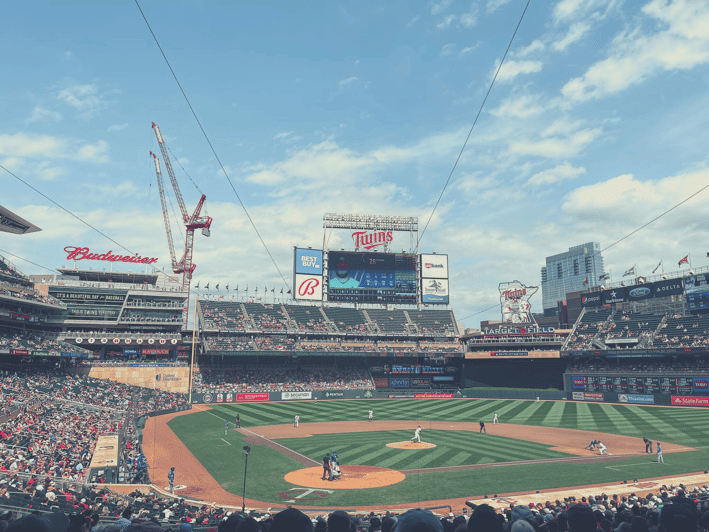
[690,401]
[230,398]
[433,396]
[309,261]
[308,287]
[592,396]
[155,351]
[399,383]
[700,385]
[499,354]
[250,397]
[334,395]
[445,378]
[434,266]
[514,302]
[294,396]
[614,295]
[220,398]
[381,382]
[639,292]
[577,396]
[591,300]
[435,291]
[420,383]
[636,399]
[671,287]
[131,352]
[19,352]
[578,382]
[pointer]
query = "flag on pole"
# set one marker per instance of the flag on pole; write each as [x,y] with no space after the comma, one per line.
[227,287]
[281,291]
[217,286]
[585,281]
[685,260]
[206,287]
[197,287]
[604,277]
[631,271]
[656,267]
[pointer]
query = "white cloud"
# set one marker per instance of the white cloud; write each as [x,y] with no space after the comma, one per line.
[561,172]
[22,145]
[555,147]
[535,46]
[117,127]
[636,57]
[438,8]
[287,136]
[446,22]
[448,49]
[520,106]
[40,114]
[470,19]
[566,10]
[494,5]
[84,98]
[347,81]
[575,34]
[469,49]
[47,172]
[511,69]
[67,56]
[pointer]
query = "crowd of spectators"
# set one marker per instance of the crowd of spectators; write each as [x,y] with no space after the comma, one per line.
[679,366]
[32,341]
[64,507]
[289,377]
[27,293]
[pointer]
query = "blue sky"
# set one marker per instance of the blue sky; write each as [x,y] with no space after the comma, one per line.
[596,124]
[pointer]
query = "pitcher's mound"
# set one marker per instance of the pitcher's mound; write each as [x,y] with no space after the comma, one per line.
[354,477]
[411,445]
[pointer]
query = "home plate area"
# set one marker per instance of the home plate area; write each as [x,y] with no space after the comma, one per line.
[354,477]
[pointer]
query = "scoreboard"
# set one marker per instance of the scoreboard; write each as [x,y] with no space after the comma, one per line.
[630,384]
[371,277]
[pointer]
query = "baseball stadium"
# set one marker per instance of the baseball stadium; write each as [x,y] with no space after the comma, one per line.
[368,399]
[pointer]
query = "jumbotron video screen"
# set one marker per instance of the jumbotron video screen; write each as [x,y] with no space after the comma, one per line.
[371,277]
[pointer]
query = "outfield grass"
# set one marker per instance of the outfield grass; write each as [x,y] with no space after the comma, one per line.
[202,433]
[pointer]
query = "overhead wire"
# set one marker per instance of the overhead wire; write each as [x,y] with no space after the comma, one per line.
[204,133]
[68,211]
[30,262]
[460,154]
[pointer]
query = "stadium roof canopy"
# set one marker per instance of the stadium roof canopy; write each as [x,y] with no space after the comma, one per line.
[109,276]
[11,223]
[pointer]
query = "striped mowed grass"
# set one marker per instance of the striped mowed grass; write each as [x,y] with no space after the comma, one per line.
[203,432]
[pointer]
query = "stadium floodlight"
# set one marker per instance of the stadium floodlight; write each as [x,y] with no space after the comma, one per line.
[247,450]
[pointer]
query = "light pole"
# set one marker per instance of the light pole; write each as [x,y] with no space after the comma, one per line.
[247,450]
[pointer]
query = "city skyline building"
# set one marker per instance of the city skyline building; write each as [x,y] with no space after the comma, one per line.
[577,269]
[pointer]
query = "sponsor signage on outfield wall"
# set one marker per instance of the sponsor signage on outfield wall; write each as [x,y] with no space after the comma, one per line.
[592,396]
[433,396]
[420,383]
[381,382]
[19,352]
[591,300]
[636,399]
[330,395]
[292,396]
[577,396]
[700,385]
[444,378]
[499,354]
[220,398]
[399,383]
[249,397]
[578,382]
[690,401]
[155,351]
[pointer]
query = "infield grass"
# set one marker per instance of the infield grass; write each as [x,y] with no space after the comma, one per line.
[202,433]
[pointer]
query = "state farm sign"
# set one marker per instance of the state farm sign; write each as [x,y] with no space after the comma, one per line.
[79,253]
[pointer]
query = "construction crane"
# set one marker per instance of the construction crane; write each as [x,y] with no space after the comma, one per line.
[184,265]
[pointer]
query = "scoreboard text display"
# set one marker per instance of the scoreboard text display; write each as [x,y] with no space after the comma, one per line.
[371,277]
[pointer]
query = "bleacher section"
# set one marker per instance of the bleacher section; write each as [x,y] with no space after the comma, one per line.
[390,322]
[347,320]
[434,322]
[267,317]
[308,318]
[587,328]
[223,315]
[683,331]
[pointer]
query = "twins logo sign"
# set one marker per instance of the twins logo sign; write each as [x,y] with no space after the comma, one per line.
[514,302]
[308,287]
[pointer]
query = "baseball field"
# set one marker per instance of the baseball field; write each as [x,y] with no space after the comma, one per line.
[536,446]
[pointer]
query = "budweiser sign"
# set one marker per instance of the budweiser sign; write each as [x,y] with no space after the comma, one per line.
[78,253]
[369,240]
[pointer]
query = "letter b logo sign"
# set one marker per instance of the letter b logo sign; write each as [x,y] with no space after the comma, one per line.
[307,287]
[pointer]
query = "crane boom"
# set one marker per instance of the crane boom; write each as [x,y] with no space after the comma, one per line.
[171,173]
[168,230]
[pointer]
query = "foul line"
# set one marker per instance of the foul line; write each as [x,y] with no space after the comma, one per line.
[265,438]
[226,441]
[630,465]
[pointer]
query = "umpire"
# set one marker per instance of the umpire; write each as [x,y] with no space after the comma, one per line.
[648,445]
[326,471]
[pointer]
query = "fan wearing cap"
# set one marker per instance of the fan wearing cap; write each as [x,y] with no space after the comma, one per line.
[171,478]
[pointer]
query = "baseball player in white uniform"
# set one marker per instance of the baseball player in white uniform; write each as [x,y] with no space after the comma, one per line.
[417,435]
[494,418]
[296,420]
[371,415]
[602,448]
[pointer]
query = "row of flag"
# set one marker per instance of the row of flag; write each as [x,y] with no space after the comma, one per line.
[631,271]
[265,290]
